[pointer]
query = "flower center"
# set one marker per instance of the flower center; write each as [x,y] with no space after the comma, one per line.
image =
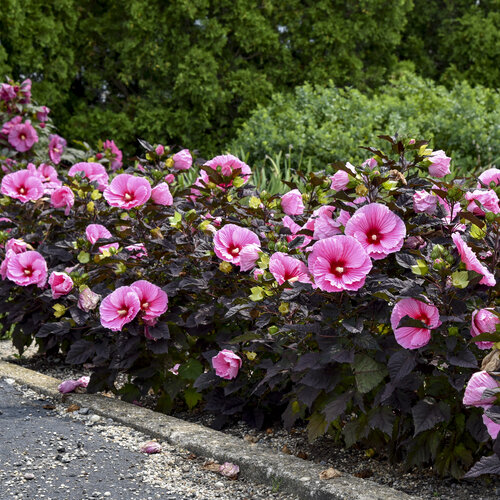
[47,179]
[234,251]
[372,237]
[423,318]
[144,305]
[337,269]
[22,190]
[128,196]
[28,272]
[56,150]
[22,137]
[122,312]
[293,279]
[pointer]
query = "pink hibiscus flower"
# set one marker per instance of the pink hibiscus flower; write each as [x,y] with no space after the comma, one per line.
[5,262]
[56,148]
[229,163]
[483,321]
[440,164]
[119,308]
[485,197]
[182,160]
[492,427]
[489,176]
[127,191]
[161,195]
[7,92]
[153,300]
[325,224]
[292,203]
[478,383]
[96,231]
[8,126]
[17,246]
[94,172]
[63,197]
[27,268]
[339,263]
[230,240]
[22,185]
[471,261]
[226,364]
[411,337]
[42,115]
[379,231]
[22,137]
[115,154]
[287,268]
[424,202]
[249,256]
[60,284]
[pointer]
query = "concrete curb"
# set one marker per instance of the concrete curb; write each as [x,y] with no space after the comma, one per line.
[287,472]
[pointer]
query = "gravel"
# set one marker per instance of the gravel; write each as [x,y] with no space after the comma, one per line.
[50,453]
[323,451]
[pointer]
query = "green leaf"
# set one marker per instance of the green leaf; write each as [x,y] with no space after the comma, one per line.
[368,372]
[257,293]
[477,233]
[83,257]
[191,370]
[192,397]
[316,427]
[460,279]
[420,269]
[245,337]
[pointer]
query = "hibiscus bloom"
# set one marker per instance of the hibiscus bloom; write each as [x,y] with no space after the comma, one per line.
[478,383]
[115,154]
[27,268]
[471,261]
[127,191]
[182,160]
[42,115]
[161,195]
[411,337]
[17,246]
[119,308]
[7,92]
[424,202]
[292,203]
[96,231]
[379,231]
[22,185]
[138,251]
[92,171]
[154,301]
[60,284]
[440,164]
[230,240]
[56,148]
[483,321]
[486,197]
[492,427]
[325,225]
[229,163]
[63,197]
[287,268]
[339,263]
[489,176]
[249,256]
[22,137]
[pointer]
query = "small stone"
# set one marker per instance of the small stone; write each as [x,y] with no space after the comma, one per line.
[61,449]
[83,411]
[107,494]
[29,476]
[9,381]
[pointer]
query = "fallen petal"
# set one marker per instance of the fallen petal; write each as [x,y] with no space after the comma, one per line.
[151,447]
[329,473]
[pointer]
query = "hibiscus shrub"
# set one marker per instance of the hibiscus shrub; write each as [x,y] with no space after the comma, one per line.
[361,303]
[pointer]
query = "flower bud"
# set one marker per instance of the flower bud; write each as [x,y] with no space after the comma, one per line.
[229,470]
[88,300]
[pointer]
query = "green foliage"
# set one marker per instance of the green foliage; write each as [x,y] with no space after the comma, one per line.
[322,125]
[187,72]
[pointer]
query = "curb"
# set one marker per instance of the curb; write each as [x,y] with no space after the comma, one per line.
[289,473]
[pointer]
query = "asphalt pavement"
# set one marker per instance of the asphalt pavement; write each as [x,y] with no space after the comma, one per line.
[44,456]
